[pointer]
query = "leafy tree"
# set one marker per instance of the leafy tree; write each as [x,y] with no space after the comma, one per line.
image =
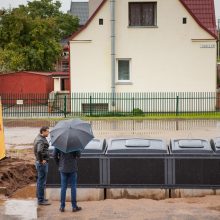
[30,35]
[11,60]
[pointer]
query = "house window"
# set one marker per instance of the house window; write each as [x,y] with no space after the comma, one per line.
[62,84]
[101,21]
[184,20]
[142,13]
[123,70]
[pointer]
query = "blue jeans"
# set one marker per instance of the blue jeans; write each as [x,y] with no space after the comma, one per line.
[65,178]
[42,170]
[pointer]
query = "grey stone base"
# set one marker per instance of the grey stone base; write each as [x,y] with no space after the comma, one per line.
[82,194]
[132,193]
[182,193]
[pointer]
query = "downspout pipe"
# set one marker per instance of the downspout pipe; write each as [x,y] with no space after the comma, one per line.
[112,10]
[218,54]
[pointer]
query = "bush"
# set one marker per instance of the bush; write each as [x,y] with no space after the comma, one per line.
[138,111]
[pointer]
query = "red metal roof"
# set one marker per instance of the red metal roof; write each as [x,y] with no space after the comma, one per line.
[39,73]
[203,11]
[49,73]
[60,74]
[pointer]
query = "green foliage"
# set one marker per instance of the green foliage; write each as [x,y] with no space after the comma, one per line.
[138,112]
[66,23]
[11,60]
[30,35]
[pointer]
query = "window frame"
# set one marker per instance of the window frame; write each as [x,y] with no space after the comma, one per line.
[141,3]
[117,70]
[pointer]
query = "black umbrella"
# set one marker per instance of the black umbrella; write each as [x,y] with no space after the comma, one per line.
[71,135]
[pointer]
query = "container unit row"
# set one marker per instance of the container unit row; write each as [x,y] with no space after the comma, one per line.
[143,163]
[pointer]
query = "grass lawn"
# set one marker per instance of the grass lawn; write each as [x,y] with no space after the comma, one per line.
[149,116]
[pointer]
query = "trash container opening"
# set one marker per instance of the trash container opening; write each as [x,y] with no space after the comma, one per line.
[133,146]
[137,143]
[191,144]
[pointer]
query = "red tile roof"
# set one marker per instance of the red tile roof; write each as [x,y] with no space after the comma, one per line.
[203,11]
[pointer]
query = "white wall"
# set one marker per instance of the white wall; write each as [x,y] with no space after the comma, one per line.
[57,84]
[90,58]
[163,59]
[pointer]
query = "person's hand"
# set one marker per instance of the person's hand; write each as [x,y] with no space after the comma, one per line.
[44,162]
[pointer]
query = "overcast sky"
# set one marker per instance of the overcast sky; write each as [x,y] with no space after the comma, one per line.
[66,4]
[14,3]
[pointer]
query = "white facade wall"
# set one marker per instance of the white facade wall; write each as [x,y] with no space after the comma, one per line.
[168,57]
[57,84]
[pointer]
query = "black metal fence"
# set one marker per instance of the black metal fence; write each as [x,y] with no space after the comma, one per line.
[108,104]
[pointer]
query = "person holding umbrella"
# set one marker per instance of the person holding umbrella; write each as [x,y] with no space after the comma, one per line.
[69,137]
[67,163]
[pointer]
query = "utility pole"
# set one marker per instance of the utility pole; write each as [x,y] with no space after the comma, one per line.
[218,42]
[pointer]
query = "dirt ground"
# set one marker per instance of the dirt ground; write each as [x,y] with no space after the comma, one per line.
[16,172]
[204,208]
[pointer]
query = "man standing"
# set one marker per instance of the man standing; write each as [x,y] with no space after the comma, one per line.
[41,152]
[67,163]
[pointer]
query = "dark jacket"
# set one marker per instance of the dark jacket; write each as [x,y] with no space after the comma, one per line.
[67,162]
[41,146]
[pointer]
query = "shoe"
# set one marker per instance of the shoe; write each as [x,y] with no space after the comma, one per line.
[44,203]
[62,209]
[46,200]
[76,209]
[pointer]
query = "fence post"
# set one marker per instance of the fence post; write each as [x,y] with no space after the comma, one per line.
[90,105]
[65,106]
[177,105]
[133,106]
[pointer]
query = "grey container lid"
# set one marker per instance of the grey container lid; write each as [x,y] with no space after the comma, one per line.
[191,146]
[95,146]
[132,146]
[215,143]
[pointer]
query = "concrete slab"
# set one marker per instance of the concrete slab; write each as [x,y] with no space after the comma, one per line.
[156,194]
[183,193]
[16,209]
[83,194]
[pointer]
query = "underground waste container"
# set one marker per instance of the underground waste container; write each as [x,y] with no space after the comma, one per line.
[137,162]
[194,164]
[90,166]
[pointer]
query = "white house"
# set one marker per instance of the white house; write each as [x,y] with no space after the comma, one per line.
[146,46]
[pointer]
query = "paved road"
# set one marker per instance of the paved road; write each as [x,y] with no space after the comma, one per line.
[18,135]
